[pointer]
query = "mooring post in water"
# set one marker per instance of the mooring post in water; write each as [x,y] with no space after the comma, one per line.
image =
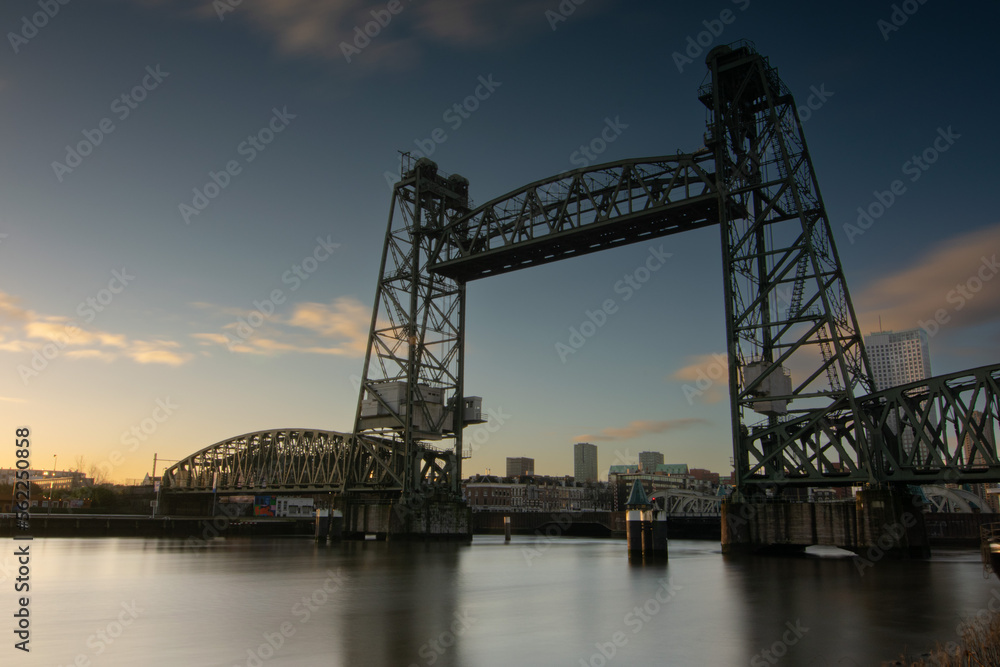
[658,528]
[636,522]
[506,529]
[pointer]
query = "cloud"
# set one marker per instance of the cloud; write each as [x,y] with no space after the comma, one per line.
[157,352]
[338,328]
[346,320]
[705,377]
[319,28]
[642,427]
[28,331]
[9,308]
[955,285]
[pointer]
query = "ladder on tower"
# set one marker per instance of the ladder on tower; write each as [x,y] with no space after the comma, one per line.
[798,288]
[831,369]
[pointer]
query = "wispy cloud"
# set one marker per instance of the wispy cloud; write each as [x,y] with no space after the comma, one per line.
[642,427]
[956,280]
[707,376]
[28,331]
[317,28]
[336,328]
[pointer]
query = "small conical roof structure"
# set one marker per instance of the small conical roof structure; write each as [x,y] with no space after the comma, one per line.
[637,498]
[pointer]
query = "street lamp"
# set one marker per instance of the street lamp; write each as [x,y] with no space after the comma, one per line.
[51,482]
[156,503]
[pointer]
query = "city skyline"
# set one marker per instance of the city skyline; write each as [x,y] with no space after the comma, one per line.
[190,234]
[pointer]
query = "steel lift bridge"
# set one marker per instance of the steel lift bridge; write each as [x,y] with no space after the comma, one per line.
[804,408]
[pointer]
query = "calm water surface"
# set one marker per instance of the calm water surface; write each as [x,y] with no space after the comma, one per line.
[565,602]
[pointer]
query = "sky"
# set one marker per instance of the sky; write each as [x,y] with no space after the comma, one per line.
[169,166]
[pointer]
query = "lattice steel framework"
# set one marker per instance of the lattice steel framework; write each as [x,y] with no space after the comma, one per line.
[284,460]
[580,212]
[792,334]
[679,502]
[800,386]
[411,390]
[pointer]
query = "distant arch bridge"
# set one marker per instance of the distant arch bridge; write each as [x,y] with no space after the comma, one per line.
[296,460]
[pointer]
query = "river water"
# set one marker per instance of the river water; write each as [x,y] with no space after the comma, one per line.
[530,602]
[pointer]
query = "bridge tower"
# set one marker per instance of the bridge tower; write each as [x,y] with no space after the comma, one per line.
[411,393]
[797,364]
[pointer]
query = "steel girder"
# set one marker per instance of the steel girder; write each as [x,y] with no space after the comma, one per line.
[952,417]
[580,212]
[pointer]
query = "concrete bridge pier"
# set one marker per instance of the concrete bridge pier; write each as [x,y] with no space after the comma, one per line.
[891,524]
[401,519]
[880,523]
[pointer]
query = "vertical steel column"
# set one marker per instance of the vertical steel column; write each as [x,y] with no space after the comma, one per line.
[787,304]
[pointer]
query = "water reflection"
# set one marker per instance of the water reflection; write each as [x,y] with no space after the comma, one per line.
[568,601]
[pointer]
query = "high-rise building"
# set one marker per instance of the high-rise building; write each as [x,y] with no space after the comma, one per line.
[900,357]
[649,460]
[585,462]
[520,466]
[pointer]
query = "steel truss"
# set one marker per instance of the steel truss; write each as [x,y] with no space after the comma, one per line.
[792,334]
[286,460]
[688,503]
[580,212]
[411,391]
[801,392]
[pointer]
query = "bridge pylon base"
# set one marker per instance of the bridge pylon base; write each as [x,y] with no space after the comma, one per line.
[399,519]
[880,523]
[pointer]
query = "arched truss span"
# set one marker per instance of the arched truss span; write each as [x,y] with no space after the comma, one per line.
[681,502]
[942,499]
[299,461]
